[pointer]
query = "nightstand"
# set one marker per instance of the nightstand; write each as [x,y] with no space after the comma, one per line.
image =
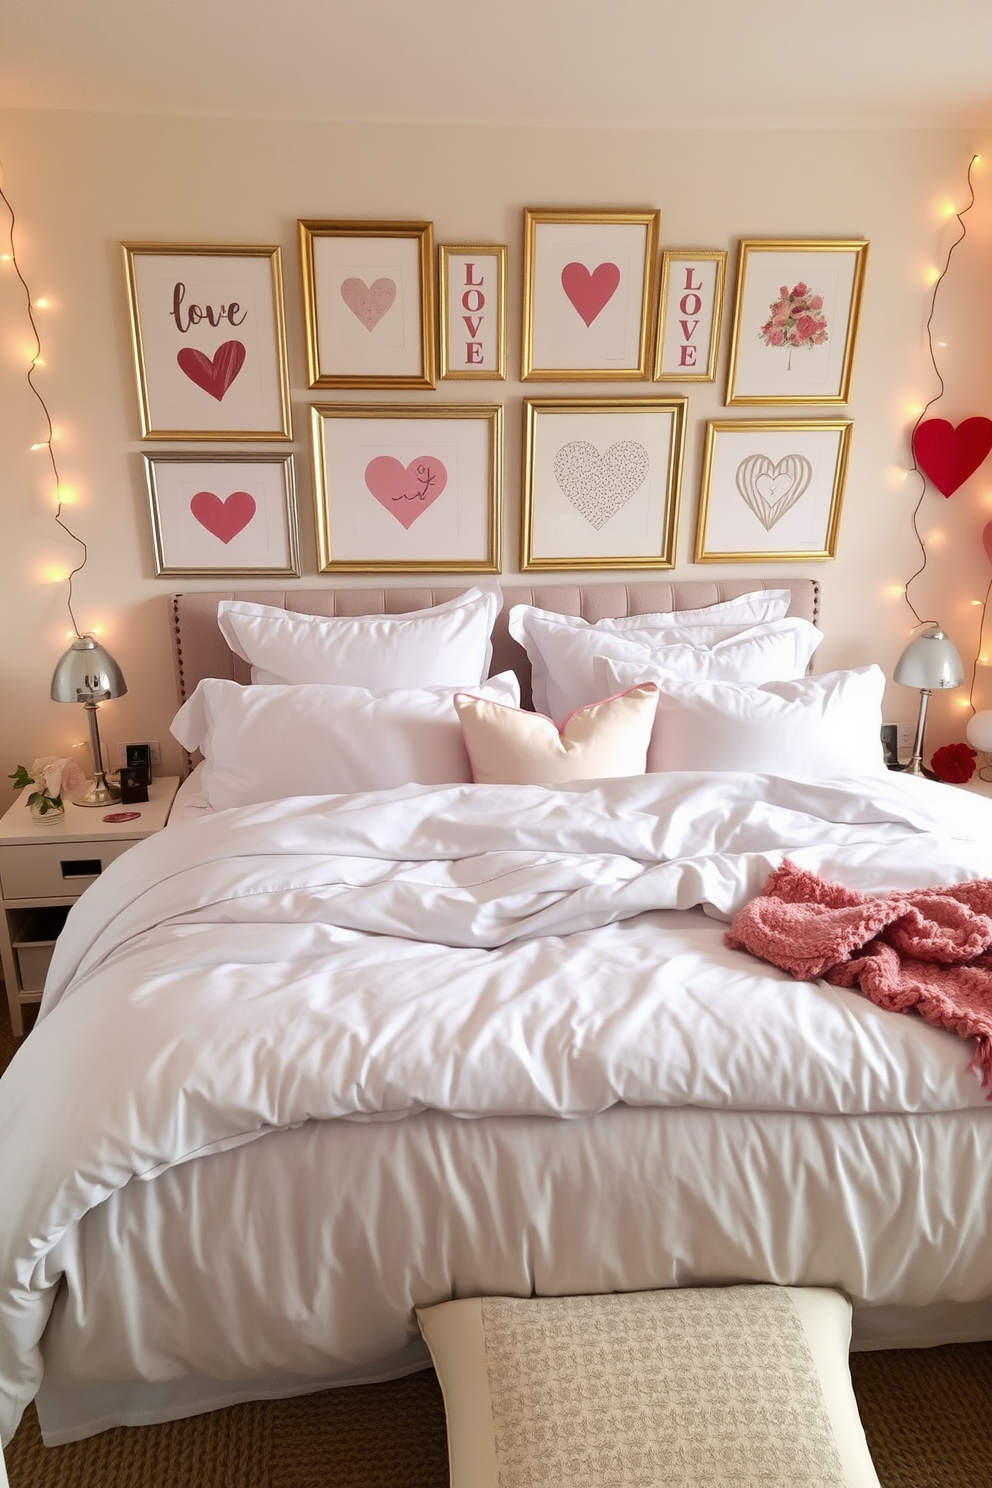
[43,871]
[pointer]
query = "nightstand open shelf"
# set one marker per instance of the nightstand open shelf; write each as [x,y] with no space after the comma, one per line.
[43,871]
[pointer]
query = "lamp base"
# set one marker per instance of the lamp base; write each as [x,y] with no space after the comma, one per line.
[99,794]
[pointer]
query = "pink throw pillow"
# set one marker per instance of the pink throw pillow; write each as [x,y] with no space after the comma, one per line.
[509,746]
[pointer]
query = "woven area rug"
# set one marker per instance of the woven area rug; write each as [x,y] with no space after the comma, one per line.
[927,1415]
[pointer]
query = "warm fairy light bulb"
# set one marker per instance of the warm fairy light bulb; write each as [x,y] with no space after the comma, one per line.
[42,444]
[41,304]
[932,275]
[896,591]
[67,495]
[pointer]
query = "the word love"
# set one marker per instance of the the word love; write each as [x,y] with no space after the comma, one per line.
[690,304]
[194,314]
[473,302]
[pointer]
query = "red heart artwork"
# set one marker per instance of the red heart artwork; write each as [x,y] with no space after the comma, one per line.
[948,455]
[406,493]
[223,519]
[590,292]
[213,375]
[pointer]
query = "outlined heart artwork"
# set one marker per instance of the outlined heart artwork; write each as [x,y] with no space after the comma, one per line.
[406,491]
[600,485]
[772,489]
[589,293]
[223,519]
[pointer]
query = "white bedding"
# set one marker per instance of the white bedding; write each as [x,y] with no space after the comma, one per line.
[351,977]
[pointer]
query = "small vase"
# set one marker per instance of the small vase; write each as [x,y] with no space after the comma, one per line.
[47,818]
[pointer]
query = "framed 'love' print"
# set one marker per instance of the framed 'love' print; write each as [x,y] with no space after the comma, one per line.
[408,487]
[368,290]
[472,290]
[209,341]
[601,482]
[589,295]
[214,514]
[771,489]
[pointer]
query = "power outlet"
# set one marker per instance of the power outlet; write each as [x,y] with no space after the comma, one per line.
[905,737]
[152,745]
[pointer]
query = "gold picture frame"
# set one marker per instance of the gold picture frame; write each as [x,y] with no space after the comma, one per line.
[472,311]
[368,291]
[796,313]
[690,313]
[224,514]
[408,487]
[208,336]
[601,482]
[765,474]
[590,282]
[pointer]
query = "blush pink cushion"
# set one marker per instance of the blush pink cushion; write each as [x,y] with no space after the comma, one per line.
[508,746]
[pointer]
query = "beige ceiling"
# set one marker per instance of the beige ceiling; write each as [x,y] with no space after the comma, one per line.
[600,62]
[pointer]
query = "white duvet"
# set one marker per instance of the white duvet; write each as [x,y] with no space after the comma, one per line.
[469,951]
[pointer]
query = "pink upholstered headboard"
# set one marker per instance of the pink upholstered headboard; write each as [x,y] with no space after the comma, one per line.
[200,650]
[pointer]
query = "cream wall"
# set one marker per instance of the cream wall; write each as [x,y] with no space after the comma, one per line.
[82,182]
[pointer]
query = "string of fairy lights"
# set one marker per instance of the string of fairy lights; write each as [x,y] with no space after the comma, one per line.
[36,360]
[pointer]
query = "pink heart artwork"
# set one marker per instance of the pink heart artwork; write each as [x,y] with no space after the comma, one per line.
[223,519]
[213,374]
[948,455]
[406,491]
[589,293]
[369,302]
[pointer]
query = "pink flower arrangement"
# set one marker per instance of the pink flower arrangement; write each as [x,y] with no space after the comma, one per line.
[796,319]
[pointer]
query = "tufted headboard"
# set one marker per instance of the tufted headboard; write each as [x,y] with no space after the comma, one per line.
[199,649]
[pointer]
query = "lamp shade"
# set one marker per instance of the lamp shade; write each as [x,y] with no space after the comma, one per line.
[930,661]
[979,731]
[87,674]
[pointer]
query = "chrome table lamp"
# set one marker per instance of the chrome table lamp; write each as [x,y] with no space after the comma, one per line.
[89,675]
[930,661]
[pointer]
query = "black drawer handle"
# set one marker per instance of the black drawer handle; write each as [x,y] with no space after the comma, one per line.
[81,867]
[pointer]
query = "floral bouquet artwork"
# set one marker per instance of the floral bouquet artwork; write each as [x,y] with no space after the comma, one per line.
[52,777]
[796,319]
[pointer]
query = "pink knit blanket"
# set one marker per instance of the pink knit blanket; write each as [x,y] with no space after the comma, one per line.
[922,950]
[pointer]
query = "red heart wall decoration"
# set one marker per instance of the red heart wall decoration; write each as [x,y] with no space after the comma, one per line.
[948,455]
[213,374]
[224,519]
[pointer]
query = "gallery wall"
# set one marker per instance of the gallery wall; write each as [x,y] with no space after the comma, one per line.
[80,184]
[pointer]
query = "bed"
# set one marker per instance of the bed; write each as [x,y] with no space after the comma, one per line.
[305,1064]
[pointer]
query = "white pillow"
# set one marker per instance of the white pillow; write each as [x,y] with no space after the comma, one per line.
[562,651]
[634,1388]
[446,646]
[777,652]
[819,726]
[508,746]
[263,743]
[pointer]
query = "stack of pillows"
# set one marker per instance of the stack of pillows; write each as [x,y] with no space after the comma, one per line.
[719,688]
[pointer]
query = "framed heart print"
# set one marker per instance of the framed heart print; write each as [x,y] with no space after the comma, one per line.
[368,289]
[409,488]
[589,295]
[601,482]
[771,488]
[214,514]
[209,340]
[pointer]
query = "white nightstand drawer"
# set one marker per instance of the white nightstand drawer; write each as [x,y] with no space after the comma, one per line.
[55,870]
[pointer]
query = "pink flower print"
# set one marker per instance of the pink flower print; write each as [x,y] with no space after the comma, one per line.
[775,337]
[783,293]
[801,289]
[816,302]
[806,328]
